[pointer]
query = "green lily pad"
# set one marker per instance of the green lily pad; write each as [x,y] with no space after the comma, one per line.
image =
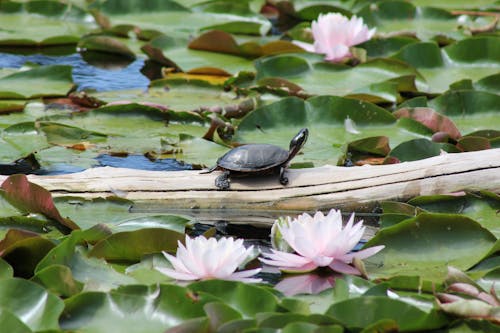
[426,244]
[475,50]
[132,245]
[6,270]
[377,78]
[157,309]
[440,68]
[455,4]
[406,316]
[405,18]
[175,223]
[105,44]
[178,95]
[489,83]
[33,305]
[416,149]
[95,273]
[190,59]
[59,280]
[245,298]
[381,47]
[481,208]
[12,323]
[219,313]
[54,80]
[88,213]
[61,134]
[38,23]
[182,20]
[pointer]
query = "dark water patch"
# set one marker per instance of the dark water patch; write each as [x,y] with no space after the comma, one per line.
[143,163]
[58,169]
[100,76]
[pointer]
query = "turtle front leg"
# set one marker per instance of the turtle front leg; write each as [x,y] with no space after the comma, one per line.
[222,182]
[283,178]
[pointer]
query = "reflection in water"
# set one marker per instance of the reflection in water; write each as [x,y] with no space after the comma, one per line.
[142,163]
[85,76]
[312,283]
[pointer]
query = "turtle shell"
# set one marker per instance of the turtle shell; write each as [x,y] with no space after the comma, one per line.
[253,158]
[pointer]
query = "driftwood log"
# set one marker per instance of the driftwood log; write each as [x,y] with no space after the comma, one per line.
[354,188]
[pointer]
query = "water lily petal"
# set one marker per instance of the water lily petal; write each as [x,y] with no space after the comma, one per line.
[176,274]
[244,276]
[342,267]
[176,263]
[362,254]
[306,46]
[285,259]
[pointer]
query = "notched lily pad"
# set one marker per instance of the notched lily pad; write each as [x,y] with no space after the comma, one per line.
[105,44]
[223,42]
[411,246]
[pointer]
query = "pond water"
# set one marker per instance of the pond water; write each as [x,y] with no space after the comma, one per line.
[104,77]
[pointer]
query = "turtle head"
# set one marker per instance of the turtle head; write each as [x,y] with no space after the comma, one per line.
[297,142]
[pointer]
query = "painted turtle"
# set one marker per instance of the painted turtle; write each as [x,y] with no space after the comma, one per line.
[257,159]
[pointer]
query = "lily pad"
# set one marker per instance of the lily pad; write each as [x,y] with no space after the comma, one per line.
[13,323]
[379,78]
[33,305]
[405,18]
[406,316]
[440,68]
[154,16]
[38,23]
[54,80]
[132,245]
[23,250]
[480,207]
[426,244]
[59,280]
[246,298]
[157,309]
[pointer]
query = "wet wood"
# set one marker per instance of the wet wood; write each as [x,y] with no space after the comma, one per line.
[358,188]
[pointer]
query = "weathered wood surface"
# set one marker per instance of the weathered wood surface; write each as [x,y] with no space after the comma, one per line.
[308,189]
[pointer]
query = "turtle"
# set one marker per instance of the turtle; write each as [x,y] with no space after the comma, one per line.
[257,159]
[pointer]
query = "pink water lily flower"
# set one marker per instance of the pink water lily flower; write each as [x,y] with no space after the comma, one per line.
[334,34]
[320,241]
[203,259]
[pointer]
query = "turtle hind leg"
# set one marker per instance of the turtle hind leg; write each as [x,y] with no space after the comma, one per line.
[283,178]
[222,182]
